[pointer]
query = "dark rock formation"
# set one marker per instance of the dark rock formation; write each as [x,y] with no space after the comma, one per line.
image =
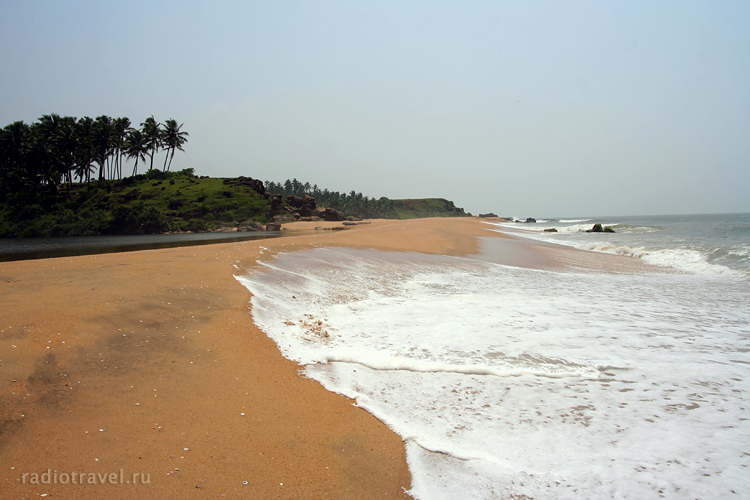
[599,229]
[303,206]
[251,226]
[280,219]
[275,206]
[295,201]
[487,215]
[276,203]
[253,184]
[529,220]
[550,230]
[328,214]
[271,226]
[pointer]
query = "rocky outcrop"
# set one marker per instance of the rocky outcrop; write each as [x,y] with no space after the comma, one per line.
[253,184]
[295,201]
[276,203]
[273,209]
[304,206]
[300,208]
[328,214]
[599,229]
[251,226]
[280,219]
[487,215]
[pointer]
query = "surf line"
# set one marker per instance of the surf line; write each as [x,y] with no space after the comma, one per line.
[460,369]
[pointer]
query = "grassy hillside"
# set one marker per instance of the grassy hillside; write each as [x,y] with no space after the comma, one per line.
[153,203]
[427,207]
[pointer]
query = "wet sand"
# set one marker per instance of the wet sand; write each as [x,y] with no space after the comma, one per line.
[146,366]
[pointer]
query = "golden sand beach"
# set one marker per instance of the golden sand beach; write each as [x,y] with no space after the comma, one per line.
[141,374]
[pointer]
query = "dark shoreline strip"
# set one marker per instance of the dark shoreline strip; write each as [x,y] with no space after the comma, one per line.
[45,248]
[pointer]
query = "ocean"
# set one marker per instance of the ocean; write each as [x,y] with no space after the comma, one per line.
[512,382]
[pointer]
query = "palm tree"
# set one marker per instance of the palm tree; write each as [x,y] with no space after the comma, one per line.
[136,147]
[152,133]
[103,142]
[85,151]
[66,143]
[44,164]
[173,138]
[14,146]
[121,126]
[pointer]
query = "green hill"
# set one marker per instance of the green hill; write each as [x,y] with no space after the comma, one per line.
[427,207]
[356,204]
[153,203]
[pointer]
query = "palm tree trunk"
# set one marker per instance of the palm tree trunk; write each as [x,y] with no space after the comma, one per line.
[170,160]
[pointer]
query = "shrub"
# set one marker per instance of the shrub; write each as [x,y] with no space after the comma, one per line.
[175,204]
[156,174]
[136,219]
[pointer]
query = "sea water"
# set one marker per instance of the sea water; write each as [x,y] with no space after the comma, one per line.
[519,383]
[718,243]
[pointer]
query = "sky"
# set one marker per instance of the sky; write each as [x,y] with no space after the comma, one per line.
[521,108]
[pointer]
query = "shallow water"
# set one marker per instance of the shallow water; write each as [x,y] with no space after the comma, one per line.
[43,248]
[506,380]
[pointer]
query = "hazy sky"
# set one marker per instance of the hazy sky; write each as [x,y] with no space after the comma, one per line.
[524,108]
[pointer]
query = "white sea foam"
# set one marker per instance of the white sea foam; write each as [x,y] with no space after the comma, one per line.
[567,221]
[507,381]
[685,258]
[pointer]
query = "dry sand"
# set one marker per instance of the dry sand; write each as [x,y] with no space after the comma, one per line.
[147,365]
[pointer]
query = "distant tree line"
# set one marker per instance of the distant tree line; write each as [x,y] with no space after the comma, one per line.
[39,158]
[353,203]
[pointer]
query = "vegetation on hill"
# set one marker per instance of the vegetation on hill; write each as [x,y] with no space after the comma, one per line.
[63,176]
[426,207]
[158,202]
[37,160]
[155,202]
[354,204]
[47,171]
